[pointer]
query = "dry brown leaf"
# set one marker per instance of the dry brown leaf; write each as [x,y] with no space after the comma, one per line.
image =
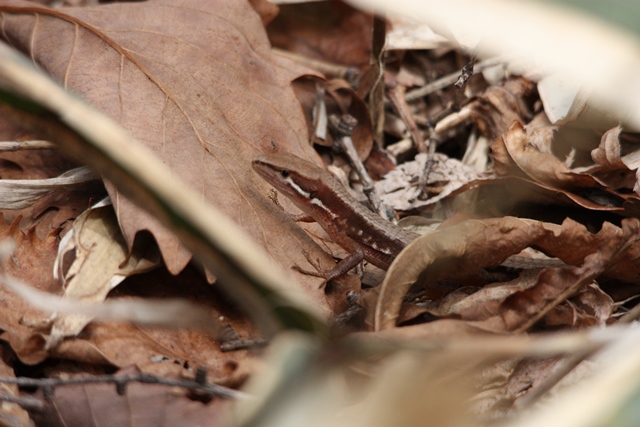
[520,377]
[471,304]
[155,350]
[348,102]
[607,155]
[465,248]
[438,329]
[333,32]
[506,193]
[589,307]
[554,285]
[33,263]
[124,344]
[450,252]
[597,199]
[339,99]
[235,104]
[11,414]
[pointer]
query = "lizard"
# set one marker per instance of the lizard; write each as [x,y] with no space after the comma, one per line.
[323,199]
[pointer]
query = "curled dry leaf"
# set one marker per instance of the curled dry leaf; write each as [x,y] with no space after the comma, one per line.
[101,262]
[527,167]
[607,155]
[591,306]
[611,167]
[527,152]
[463,249]
[504,193]
[500,106]
[470,303]
[514,380]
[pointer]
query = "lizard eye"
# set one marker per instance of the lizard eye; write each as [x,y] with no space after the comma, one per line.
[285,173]
[313,195]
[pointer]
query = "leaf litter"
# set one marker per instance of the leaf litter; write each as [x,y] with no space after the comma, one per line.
[207,109]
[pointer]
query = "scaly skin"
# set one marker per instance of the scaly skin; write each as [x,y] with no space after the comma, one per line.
[362,233]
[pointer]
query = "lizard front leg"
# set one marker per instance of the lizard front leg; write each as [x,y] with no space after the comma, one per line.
[355,257]
[342,268]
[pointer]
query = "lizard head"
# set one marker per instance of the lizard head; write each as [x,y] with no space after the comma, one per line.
[298,179]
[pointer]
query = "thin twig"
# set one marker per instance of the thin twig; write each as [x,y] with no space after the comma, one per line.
[26,145]
[450,79]
[460,99]
[343,128]
[630,315]
[397,97]
[122,380]
[568,365]
[376,96]
[350,74]
[25,402]
[558,374]
[461,84]
[424,176]
[454,119]
[231,341]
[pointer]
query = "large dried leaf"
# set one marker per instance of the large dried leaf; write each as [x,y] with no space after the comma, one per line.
[203,92]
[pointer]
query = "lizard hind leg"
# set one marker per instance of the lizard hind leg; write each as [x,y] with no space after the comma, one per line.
[320,272]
